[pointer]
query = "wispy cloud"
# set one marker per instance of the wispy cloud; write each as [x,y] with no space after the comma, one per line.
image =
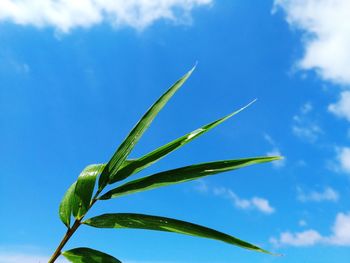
[9,63]
[326,27]
[328,194]
[201,186]
[309,132]
[65,15]
[303,126]
[255,203]
[340,235]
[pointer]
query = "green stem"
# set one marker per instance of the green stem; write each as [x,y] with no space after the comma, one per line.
[69,234]
[65,239]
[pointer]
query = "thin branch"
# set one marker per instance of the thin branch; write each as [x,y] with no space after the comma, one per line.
[65,239]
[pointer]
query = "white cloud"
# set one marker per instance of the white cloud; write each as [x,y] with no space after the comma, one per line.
[303,126]
[254,203]
[342,107]
[257,203]
[329,194]
[305,238]
[341,230]
[262,204]
[340,235]
[343,159]
[326,27]
[65,15]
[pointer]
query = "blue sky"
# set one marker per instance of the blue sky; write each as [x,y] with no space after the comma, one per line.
[75,78]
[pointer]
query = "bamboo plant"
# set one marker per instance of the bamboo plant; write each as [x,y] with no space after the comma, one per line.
[80,197]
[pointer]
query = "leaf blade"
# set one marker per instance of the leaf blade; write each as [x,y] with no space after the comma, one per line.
[183,174]
[84,255]
[66,205]
[152,157]
[84,189]
[141,221]
[128,144]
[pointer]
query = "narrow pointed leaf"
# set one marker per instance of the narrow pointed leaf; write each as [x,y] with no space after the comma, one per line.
[88,255]
[152,157]
[128,144]
[66,205]
[84,189]
[140,221]
[183,174]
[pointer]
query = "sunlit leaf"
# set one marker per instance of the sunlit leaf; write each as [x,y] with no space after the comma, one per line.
[84,189]
[66,205]
[140,221]
[128,144]
[88,255]
[150,158]
[183,174]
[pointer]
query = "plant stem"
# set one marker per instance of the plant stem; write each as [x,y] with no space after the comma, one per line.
[65,239]
[69,234]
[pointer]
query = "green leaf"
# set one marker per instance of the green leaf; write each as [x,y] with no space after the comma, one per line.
[84,189]
[139,221]
[88,255]
[128,144]
[66,205]
[183,174]
[150,158]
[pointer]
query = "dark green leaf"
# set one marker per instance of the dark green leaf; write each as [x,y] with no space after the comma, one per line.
[139,221]
[84,189]
[150,158]
[183,174]
[65,210]
[88,255]
[128,144]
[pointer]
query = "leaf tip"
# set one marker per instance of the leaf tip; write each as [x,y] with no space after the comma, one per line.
[243,108]
[270,253]
[249,104]
[192,69]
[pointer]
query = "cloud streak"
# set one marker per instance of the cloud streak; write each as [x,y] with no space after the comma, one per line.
[329,194]
[65,15]
[255,203]
[304,127]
